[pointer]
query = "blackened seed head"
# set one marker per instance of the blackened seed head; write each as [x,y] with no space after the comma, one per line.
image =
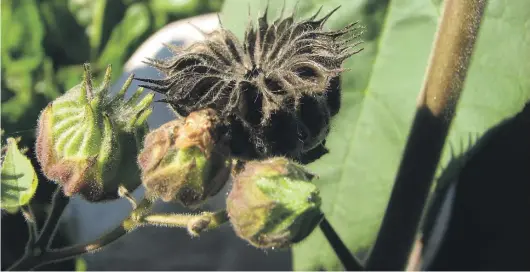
[333,96]
[282,104]
[314,117]
[253,72]
[284,135]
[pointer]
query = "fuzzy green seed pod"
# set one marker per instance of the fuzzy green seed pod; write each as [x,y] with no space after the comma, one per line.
[273,203]
[87,141]
[184,160]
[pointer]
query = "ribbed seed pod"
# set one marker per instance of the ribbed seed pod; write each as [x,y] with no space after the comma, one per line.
[278,90]
[87,141]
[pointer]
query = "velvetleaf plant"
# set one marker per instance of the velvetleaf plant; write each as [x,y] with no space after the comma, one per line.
[278,90]
[267,180]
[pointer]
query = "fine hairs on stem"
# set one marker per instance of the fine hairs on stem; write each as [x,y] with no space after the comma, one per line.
[38,253]
[444,81]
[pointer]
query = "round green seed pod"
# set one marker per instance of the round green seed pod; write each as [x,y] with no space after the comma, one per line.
[273,203]
[184,160]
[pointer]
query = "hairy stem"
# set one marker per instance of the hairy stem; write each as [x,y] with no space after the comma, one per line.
[37,257]
[59,202]
[194,223]
[29,262]
[31,223]
[437,102]
[348,260]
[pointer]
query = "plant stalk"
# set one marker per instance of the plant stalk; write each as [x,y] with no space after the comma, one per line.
[31,223]
[348,260]
[437,101]
[194,223]
[59,203]
[37,256]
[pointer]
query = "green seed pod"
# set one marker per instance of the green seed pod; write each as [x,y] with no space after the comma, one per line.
[87,141]
[273,203]
[184,160]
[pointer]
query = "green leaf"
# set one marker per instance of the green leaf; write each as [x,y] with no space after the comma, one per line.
[22,59]
[69,76]
[105,15]
[95,29]
[125,37]
[66,38]
[45,81]
[22,33]
[19,180]
[82,11]
[379,98]
[163,9]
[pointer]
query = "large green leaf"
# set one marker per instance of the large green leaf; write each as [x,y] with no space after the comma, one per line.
[19,180]
[379,97]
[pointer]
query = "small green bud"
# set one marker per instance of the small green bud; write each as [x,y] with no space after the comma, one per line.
[184,161]
[273,203]
[88,141]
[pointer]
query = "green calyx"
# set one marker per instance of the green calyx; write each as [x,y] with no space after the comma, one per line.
[85,137]
[182,161]
[273,203]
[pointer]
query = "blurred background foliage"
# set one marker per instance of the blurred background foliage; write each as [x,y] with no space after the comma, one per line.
[45,43]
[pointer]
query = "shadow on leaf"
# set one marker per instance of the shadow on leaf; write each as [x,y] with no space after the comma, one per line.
[478,219]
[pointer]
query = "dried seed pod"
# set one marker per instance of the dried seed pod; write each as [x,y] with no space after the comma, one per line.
[278,89]
[87,141]
[185,160]
[273,203]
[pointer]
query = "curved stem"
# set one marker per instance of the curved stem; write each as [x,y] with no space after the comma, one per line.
[36,257]
[55,255]
[31,223]
[59,202]
[347,259]
[38,252]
